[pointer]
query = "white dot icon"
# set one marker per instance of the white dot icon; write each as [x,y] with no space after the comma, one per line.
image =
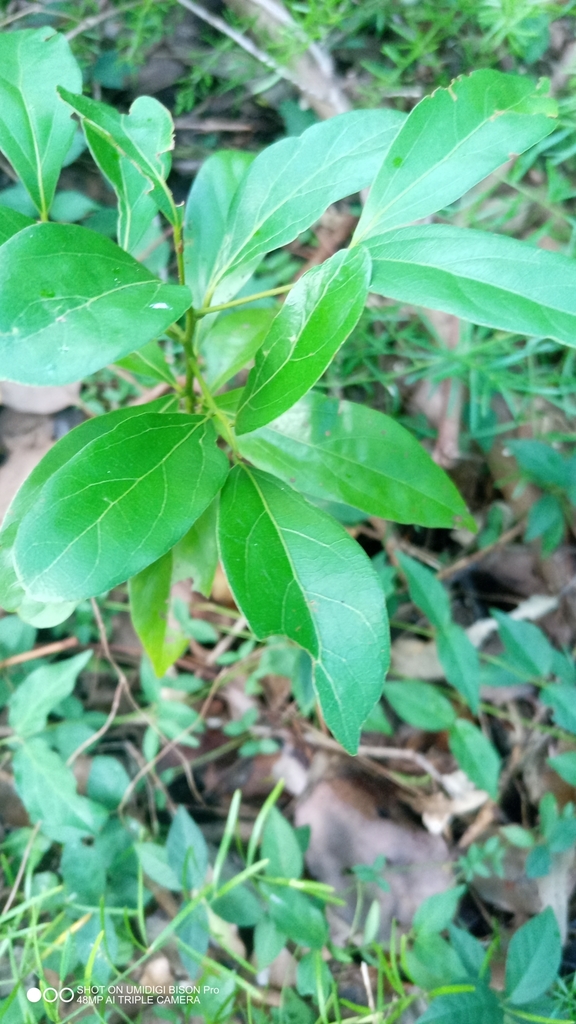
[34,995]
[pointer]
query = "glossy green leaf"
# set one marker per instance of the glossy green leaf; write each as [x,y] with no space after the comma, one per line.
[149,361]
[187,850]
[233,342]
[280,846]
[196,555]
[119,504]
[294,571]
[11,222]
[149,610]
[36,129]
[420,704]
[345,452]
[12,594]
[294,914]
[459,659]
[426,591]
[30,705]
[207,213]
[291,184]
[318,315]
[47,788]
[476,755]
[144,137]
[73,302]
[533,959]
[478,276]
[450,141]
[136,207]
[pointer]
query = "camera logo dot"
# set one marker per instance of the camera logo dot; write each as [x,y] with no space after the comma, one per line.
[34,995]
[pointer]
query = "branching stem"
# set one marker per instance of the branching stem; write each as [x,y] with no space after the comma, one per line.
[281,290]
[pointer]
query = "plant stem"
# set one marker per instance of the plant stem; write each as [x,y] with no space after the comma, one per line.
[179,249]
[281,290]
[193,369]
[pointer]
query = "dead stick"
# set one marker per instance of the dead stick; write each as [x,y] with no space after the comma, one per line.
[40,652]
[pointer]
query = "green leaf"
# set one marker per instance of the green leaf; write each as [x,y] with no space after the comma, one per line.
[187,851]
[149,361]
[144,137]
[12,595]
[541,462]
[239,906]
[11,222]
[518,836]
[345,452]
[124,500]
[433,962]
[426,591]
[74,301]
[195,934]
[436,912]
[136,207]
[478,276]
[533,960]
[268,942]
[420,704]
[108,781]
[475,755]
[546,520]
[291,184]
[206,215]
[565,765]
[526,645]
[479,1007]
[47,788]
[294,914]
[468,948]
[36,129]
[302,576]
[280,846]
[154,861]
[42,691]
[316,318]
[196,555]
[538,862]
[83,872]
[450,141]
[561,697]
[459,659]
[149,609]
[312,974]
[232,342]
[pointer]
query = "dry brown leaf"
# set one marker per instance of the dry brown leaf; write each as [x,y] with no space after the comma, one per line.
[346,830]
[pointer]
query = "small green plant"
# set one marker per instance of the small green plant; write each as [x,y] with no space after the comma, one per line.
[142,493]
[556,475]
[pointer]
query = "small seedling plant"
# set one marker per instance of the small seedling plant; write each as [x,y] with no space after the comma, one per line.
[157,492]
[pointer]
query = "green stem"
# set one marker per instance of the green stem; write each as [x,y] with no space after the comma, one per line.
[193,369]
[179,249]
[281,290]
